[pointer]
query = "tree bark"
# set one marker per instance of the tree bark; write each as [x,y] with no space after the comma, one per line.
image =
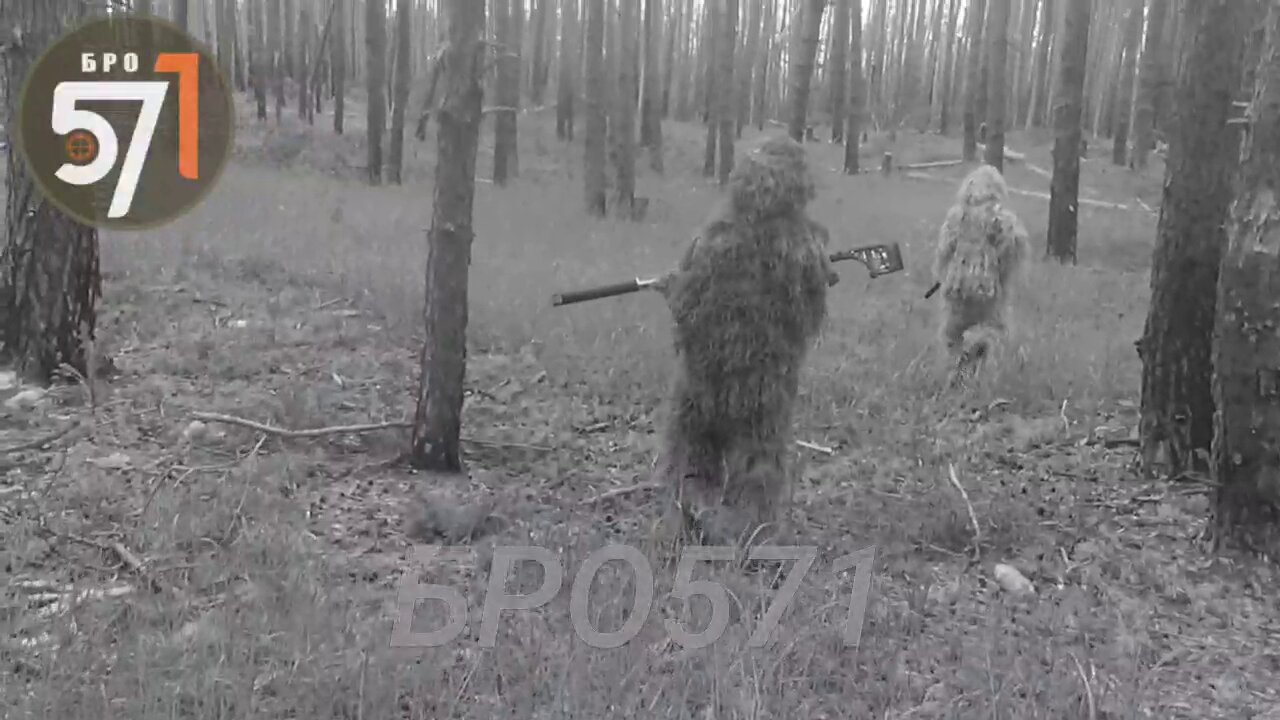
[375,34]
[538,71]
[1041,72]
[49,279]
[1064,192]
[566,87]
[761,94]
[274,54]
[1132,29]
[727,116]
[1246,446]
[997,33]
[839,65]
[403,78]
[437,424]
[258,57]
[593,144]
[651,105]
[857,91]
[708,55]
[973,79]
[801,74]
[1151,75]
[182,14]
[622,125]
[1177,398]
[507,90]
[303,61]
[338,62]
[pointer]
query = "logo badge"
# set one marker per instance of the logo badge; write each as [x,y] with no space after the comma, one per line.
[126,123]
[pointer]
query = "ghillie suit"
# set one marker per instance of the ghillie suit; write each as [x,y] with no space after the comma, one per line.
[748,300]
[981,248]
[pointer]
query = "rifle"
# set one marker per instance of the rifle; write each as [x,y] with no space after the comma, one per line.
[879,259]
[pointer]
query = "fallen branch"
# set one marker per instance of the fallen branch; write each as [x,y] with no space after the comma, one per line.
[934,164]
[619,492]
[973,517]
[40,441]
[344,429]
[815,447]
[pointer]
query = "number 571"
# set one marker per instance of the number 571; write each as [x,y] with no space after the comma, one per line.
[68,118]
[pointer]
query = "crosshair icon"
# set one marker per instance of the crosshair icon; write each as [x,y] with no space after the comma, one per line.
[82,147]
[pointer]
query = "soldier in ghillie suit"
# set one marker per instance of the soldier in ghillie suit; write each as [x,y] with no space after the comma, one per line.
[748,300]
[981,247]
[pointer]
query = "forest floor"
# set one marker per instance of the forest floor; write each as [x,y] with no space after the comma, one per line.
[227,573]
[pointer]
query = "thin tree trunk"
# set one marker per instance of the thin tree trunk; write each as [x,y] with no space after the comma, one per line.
[594,142]
[651,106]
[997,61]
[708,55]
[1246,447]
[839,65]
[437,424]
[622,125]
[801,68]
[1132,29]
[761,92]
[274,52]
[403,78]
[181,15]
[1040,73]
[857,91]
[538,73]
[566,87]
[339,64]
[727,116]
[973,78]
[507,91]
[291,38]
[1177,398]
[948,69]
[1064,192]
[1151,75]
[237,50]
[375,34]
[304,61]
[225,45]
[259,55]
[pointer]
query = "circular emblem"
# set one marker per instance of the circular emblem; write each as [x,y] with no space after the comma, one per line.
[126,123]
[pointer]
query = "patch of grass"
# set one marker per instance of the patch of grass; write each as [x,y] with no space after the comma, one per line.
[294,296]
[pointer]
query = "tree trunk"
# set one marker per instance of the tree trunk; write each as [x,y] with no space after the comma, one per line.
[1177,398]
[338,63]
[651,107]
[801,67]
[437,422]
[1151,75]
[403,78]
[259,57]
[1064,192]
[707,54]
[1132,29]
[593,143]
[291,38]
[181,15]
[237,50]
[375,37]
[1246,446]
[568,63]
[675,30]
[761,93]
[857,90]
[1040,73]
[507,90]
[948,68]
[225,46]
[538,73]
[997,42]
[622,125]
[838,69]
[726,114]
[973,79]
[303,60]
[49,279]
[274,53]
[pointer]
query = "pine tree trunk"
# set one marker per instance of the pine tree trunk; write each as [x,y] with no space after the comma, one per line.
[304,60]
[375,34]
[259,57]
[181,15]
[839,65]
[879,56]
[225,45]
[1151,75]
[1246,447]
[291,38]
[948,69]
[727,115]
[568,63]
[538,73]
[437,424]
[857,90]
[237,49]
[622,125]
[49,279]
[1177,399]
[651,107]
[593,143]
[675,30]
[507,90]
[338,64]
[997,42]
[1064,191]
[973,79]
[1132,29]
[274,55]
[801,67]
[1040,73]
[403,78]
[761,92]
[708,56]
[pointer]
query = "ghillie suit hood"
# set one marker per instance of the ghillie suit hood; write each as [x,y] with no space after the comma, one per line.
[751,293]
[981,243]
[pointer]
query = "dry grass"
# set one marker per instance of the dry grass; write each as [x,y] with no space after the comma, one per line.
[293,296]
